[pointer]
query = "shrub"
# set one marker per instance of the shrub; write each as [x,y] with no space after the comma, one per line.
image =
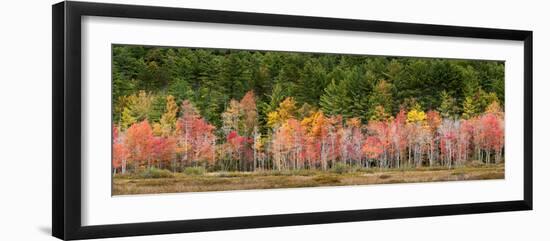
[476,163]
[340,168]
[194,171]
[154,172]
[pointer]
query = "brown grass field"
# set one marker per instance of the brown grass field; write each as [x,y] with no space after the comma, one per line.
[224,181]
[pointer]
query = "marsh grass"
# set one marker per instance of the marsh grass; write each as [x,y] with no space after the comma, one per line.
[327,179]
[194,171]
[384,176]
[199,181]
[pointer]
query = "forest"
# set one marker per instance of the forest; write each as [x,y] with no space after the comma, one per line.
[238,110]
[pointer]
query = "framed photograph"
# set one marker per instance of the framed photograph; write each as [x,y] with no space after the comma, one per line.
[171,120]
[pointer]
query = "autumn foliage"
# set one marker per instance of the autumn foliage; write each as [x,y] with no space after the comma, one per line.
[299,139]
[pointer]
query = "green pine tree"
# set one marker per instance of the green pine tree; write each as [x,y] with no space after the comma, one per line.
[448,107]
[381,96]
[335,100]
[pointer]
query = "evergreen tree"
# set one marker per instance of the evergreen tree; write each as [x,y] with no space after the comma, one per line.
[360,90]
[312,81]
[381,96]
[448,108]
[158,105]
[335,100]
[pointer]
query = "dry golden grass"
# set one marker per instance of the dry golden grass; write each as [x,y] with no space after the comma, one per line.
[223,181]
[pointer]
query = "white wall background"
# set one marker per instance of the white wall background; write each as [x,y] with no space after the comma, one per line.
[25,120]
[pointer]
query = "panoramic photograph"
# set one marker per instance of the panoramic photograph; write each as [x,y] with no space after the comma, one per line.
[204,120]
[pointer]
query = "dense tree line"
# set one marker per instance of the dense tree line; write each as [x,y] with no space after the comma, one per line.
[249,110]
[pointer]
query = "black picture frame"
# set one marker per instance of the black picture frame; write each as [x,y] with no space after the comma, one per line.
[66,127]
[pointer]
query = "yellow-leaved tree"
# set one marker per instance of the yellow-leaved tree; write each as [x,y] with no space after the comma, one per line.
[286,110]
[167,123]
[416,114]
